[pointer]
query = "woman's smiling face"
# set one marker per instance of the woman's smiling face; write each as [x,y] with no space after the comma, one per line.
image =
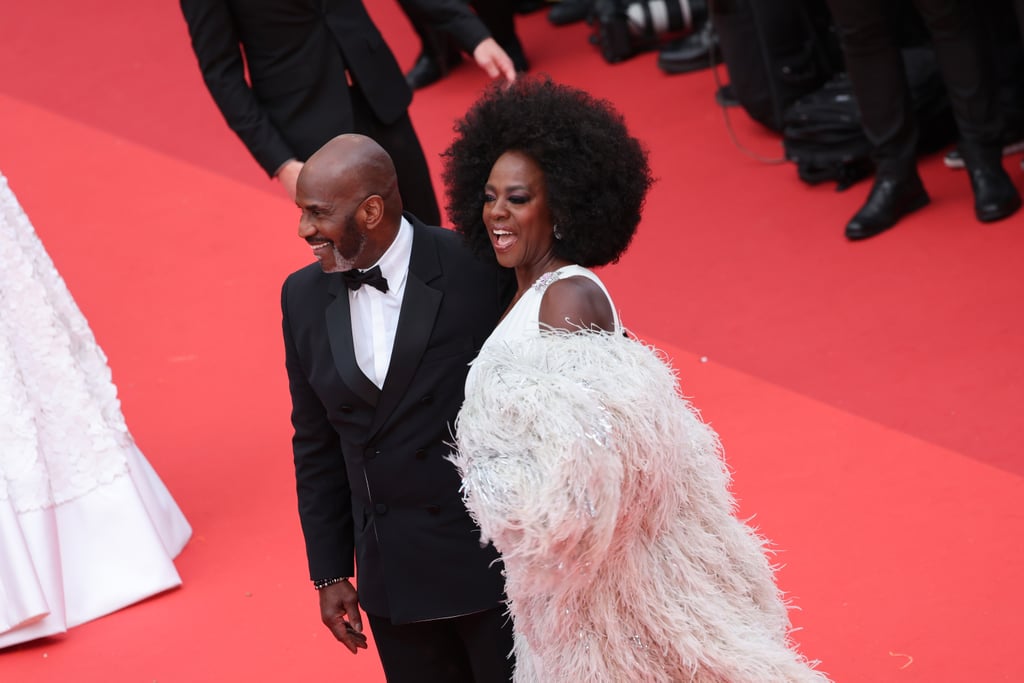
[516,211]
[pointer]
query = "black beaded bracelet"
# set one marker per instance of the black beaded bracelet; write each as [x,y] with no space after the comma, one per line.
[324,583]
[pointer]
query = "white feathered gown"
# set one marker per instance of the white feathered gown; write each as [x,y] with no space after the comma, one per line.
[608,499]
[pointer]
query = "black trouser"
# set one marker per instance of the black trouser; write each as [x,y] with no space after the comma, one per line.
[475,648]
[399,140]
[874,64]
[497,15]
[1019,6]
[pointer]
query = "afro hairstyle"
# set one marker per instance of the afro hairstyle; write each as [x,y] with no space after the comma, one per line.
[596,174]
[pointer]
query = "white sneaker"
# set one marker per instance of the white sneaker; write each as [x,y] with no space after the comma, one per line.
[954,160]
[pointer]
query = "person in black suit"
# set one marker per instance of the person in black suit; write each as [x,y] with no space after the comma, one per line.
[319,68]
[875,67]
[378,339]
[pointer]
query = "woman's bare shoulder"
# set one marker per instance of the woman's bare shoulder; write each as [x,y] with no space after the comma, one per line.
[576,302]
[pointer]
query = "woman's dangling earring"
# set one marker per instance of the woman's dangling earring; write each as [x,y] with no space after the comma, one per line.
[555,232]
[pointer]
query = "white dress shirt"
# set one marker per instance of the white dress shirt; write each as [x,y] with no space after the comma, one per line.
[374,313]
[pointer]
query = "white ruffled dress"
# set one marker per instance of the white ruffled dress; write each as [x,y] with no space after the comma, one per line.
[608,498]
[86,525]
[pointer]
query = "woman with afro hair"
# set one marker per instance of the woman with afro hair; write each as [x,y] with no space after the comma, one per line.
[606,494]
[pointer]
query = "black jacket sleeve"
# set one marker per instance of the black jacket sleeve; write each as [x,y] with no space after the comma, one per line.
[217,47]
[322,485]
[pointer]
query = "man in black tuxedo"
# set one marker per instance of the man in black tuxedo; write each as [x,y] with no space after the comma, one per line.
[319,68]
[378,338]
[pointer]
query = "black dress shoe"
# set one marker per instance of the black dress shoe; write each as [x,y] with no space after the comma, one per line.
[890,199]
[569,12]
[697,51]
[429,69]
[995,197]
[425,71]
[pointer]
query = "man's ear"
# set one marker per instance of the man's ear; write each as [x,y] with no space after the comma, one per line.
[372,209]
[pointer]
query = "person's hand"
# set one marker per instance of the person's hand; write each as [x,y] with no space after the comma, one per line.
[288,174]
[495,61]
[339,610]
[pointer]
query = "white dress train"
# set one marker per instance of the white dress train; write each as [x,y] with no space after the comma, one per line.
[86,525]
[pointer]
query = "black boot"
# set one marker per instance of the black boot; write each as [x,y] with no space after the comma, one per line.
[891,198]
[995,196]
[697,51]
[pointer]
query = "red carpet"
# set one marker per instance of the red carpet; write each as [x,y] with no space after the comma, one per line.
[867,394]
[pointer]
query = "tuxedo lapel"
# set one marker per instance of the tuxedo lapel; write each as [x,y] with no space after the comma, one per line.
[415,324]
[339,333]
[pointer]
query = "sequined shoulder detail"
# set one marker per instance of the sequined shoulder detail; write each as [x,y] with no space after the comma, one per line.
[545,279]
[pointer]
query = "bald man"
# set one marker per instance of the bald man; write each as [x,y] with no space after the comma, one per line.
[378,336]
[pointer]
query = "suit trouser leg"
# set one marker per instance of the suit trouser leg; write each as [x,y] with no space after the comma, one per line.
[497,15]
[966,71]
[499,18]
[399,140]
[874,65]
[469,649]
[488,639]
[437,45]
[1018,5]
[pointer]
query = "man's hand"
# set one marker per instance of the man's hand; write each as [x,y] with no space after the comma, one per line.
[339,610]
[288,174]
[495,61]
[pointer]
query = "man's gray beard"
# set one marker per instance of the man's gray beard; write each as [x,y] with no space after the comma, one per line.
[341,263]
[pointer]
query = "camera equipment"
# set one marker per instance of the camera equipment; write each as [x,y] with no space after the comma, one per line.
[623,28]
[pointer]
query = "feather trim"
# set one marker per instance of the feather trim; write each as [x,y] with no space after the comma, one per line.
[608,498]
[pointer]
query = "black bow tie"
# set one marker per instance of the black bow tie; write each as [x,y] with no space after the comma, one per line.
[354,279]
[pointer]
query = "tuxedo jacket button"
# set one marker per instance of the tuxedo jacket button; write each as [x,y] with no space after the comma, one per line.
[345,409]
[380,508]
[421,454]
[434,509]
[427,400]
[371,453]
